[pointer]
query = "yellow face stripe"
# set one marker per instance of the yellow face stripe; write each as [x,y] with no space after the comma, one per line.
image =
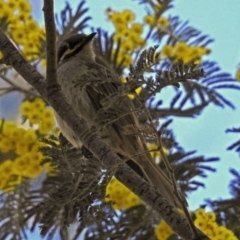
[69,51]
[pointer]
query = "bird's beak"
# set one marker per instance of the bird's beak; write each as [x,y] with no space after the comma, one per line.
[90,37]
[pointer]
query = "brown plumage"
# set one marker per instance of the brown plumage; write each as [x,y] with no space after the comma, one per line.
[85,84]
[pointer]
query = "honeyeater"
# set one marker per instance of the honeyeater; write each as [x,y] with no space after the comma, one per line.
[85,84]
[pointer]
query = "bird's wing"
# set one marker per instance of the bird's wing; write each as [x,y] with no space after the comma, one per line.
[102,83]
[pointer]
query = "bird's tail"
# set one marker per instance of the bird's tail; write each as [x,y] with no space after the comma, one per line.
[158,178]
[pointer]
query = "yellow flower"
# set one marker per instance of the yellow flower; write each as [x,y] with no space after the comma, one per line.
[128,16]
[19,35]
[163,22]
[47,114]
[14,23]
[210,216]
[38,103]
[34,116]
[120,28]
[21,147]
[34,168]
[133,36]
[29,136]
[8,128]
[6,144]
[126,33]
[8,178]
[141,42]
[31,47]
[127,46]
[163,231]
[206,223]
[2,5]
[23,16]
[24,6]
[167,51]
[238,75]
[26,108]
[150,20]
[120,195]
[21,164]
[1,55]
[16,134]
[46,126]
[200,213]
[6,169]
[31,26]
[196,52]
[137,28]
[181,50]
[12,4]
[6,11]
[117,18]
[36,156]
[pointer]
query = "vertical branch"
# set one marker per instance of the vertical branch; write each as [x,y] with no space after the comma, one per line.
[48,9]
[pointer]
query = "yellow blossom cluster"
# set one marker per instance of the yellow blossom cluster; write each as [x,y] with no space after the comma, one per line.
[152,21]
[206,222]
[121,196]
[21,146]
[128,32]
[37,113]
[15,15]
[184,52]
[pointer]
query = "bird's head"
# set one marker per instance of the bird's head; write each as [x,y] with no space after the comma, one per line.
[78,44]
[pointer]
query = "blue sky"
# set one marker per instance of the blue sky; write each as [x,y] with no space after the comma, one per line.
[219,19]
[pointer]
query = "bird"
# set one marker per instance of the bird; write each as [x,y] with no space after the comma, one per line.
[85,84]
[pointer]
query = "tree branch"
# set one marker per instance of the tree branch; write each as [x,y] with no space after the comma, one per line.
[48,10]
[128,177]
